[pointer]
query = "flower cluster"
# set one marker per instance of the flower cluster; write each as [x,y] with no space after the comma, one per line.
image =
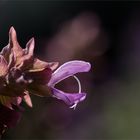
[22,74]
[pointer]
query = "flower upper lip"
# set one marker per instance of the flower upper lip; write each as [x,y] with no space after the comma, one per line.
[68,69]
[64,71]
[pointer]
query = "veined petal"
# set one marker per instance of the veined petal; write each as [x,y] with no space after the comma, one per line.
[30,47]
[53,65]
[71,99]
[68,69]
[11,60]
[38,65]
[3,66]
[27,99]
[25,61]
[6,51]
[14,43]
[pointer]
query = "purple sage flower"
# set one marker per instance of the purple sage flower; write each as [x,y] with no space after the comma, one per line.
[66,70]
[22,74]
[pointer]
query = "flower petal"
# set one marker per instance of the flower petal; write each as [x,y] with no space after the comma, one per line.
[6,51]
[25,61]
[11,60]
[38,65]
[30,47]
[18,52]
[53,65]
[68,69]
[27,99]
[71,99]
[3,66]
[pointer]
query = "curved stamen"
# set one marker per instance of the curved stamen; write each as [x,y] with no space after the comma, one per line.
[78,81]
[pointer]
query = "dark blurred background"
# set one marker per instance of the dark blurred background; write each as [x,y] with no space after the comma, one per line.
[105,33]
